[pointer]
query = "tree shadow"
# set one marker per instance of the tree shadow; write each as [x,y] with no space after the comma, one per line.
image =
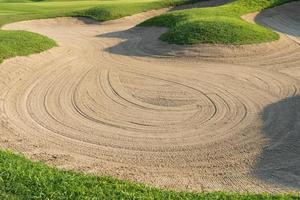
[284,18]
[280,160]
[142,42]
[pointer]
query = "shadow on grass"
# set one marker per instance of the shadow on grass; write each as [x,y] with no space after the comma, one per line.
[203,4]
[280,160]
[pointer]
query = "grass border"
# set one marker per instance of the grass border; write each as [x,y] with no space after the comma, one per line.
[21,178]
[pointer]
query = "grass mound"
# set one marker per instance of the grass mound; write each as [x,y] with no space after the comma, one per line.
[21,43]
[21,178]
[217,25]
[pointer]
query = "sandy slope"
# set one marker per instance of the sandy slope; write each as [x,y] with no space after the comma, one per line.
[113,99]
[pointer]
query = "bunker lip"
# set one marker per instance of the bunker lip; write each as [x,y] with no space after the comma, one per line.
[142,111]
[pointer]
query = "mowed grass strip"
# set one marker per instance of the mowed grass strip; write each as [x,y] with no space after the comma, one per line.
[20,43]
[216,25]
[21,178]
[46,9]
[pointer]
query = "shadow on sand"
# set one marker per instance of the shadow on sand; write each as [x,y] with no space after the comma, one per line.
[141,41]
[284,18]
[280,160]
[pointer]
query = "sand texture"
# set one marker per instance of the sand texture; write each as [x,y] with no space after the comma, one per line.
[113,99]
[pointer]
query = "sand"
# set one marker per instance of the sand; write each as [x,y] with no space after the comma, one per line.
[115,100]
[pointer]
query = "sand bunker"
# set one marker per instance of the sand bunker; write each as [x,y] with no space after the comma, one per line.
[114,100]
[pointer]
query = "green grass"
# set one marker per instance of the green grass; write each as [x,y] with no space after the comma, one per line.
[122,9]
[21,43]
[26,9]
[17,43]
[217,25]
[21,178]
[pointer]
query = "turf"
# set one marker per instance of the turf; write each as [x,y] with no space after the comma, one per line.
[122,9]
[216,25]
[18,10]
[21,178]
[21,43]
